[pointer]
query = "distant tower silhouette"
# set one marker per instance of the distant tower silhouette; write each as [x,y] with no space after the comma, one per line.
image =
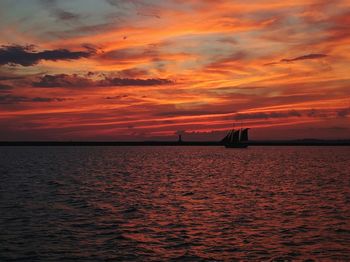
[180,139]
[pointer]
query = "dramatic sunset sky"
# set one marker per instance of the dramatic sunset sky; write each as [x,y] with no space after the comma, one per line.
[137,69]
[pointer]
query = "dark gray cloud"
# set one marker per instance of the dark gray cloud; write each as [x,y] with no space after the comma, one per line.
[59,13]
[313,113]
[299,58]
[14,99]
[344,112]
[132,73]
[116,3]
[113,2]
[318,113]
[338,128]
[10,77]
[82,30]
[195,112]
[305,57]
[228,40]
[134,82]
[47,99]
[153,14]
[71,81]
[65,15]
[116,97]
[262,115]
[48,2]
[4,87]
[27,56]
[63,80]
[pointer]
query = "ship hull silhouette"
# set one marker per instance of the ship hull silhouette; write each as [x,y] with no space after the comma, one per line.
[237,146]
[236,138]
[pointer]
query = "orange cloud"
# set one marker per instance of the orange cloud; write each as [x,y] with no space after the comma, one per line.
[175,65]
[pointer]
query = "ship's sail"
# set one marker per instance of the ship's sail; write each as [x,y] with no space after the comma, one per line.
[235,137]
[227,138]
[244,135]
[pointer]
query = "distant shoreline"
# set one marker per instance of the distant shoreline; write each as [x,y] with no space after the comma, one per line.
[176,143]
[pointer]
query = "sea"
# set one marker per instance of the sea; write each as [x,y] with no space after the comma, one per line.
[174,204]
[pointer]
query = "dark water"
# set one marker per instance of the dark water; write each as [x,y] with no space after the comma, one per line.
[174,203]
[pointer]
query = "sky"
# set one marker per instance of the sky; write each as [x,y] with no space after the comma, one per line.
[150,70]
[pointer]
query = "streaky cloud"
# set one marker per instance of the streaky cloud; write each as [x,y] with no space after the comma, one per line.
[65,15]
[71,81]
[63,80]
[134,82]
[299,58]
[345,112]
[305,57]
[27,56]
[14,99]
[4,87]
[263,115]
[10,77]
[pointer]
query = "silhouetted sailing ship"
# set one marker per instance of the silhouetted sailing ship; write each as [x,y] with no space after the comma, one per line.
[236,138]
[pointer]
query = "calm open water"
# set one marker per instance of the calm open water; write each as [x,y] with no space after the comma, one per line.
[174,203]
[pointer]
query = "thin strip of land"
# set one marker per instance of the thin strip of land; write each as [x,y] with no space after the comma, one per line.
[177,143]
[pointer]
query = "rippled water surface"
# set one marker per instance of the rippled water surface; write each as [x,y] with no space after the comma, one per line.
[174,203]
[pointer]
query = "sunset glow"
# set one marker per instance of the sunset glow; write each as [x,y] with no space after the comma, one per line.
[136,70]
